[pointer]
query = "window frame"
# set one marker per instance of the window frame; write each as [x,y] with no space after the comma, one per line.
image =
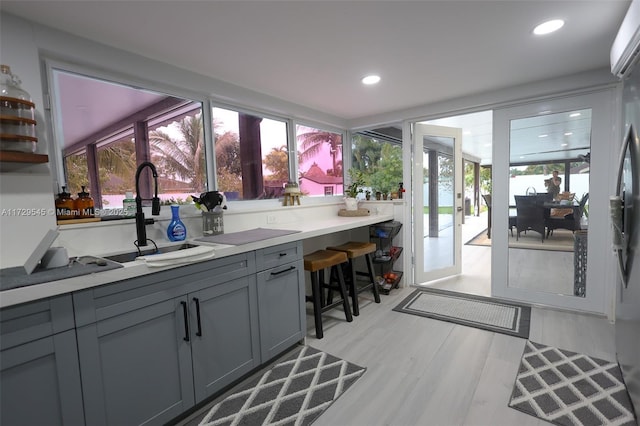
[291,149]
[50,62]
[53,118]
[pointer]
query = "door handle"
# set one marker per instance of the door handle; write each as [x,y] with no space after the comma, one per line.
[199,332]
[459,208]
[186,321]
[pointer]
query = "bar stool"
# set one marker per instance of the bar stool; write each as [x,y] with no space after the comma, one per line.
[316,263]
[354,250]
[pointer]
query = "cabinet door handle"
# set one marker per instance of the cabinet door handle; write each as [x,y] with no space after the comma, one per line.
[186,321]
[283,254]
[199,332]
[291,268]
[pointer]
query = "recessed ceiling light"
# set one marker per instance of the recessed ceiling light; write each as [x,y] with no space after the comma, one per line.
[371,79]
[548,27]
[543,136]
[568,133]
[564,144]
[575,114]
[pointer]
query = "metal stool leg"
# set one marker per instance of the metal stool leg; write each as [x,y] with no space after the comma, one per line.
[353,288]
[372,276]
[316,293]
[343,292]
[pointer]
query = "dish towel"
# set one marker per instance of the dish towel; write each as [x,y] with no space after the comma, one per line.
[193,254]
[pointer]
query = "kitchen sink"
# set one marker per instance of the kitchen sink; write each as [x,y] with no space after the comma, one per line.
[132,255]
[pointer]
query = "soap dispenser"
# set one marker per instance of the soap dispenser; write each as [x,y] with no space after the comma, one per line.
[176,230]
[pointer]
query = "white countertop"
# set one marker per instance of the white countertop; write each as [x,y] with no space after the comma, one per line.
[308,229]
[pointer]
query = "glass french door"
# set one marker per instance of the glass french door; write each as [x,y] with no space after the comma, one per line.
[574,133]
[437,201]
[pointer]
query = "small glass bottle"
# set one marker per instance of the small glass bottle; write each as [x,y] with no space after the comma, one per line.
[176,231]
[129,205]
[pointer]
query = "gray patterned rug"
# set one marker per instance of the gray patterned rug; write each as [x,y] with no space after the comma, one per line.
[487,313]
[567,388]
[293,392]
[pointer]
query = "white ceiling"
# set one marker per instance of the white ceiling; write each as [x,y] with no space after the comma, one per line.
[313,53]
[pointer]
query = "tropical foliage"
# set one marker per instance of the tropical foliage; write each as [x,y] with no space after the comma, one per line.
[228,166]
[357,181]
[380,163]
[181,158]
[277,162]
[311,140]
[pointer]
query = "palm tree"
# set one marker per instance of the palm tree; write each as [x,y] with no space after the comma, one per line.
[184,158]
[311,142]
[277,162]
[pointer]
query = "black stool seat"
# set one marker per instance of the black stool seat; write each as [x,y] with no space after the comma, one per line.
[316,263]
[354,250]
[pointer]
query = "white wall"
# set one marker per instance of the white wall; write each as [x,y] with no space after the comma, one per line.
[23,188]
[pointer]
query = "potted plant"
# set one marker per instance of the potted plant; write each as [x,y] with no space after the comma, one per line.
[353,189]
[367,194]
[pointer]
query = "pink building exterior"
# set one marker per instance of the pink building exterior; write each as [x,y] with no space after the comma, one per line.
[315,180]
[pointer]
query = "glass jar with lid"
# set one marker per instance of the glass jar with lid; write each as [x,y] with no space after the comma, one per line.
[65,205]
[17,114]
[84,205]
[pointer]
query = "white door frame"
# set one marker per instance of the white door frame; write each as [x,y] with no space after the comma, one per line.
[419,131]
[605,148]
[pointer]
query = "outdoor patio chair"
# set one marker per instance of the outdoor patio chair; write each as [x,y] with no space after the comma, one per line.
[570,221]
[530,215]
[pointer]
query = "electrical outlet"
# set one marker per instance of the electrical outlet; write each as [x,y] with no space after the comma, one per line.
[271,218]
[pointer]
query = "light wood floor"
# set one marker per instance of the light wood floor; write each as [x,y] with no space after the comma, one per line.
[427,372]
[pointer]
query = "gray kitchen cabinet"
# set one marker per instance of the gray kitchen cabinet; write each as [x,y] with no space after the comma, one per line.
[136,367]
[151,347]
[39,374]
[281,298]
[224,334]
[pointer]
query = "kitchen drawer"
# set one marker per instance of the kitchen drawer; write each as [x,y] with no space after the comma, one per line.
[273,257]
[31,321]
[117,298]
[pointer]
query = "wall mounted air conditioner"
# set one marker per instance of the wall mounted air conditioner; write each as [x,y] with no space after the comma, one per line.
[626,47]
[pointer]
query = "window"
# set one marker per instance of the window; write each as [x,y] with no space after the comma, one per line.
[252,158]
[380,161]
[105,129]
[319,161]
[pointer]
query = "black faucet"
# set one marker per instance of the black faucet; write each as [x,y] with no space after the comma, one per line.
[141,231]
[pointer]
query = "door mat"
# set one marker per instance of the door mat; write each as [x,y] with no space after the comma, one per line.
[560,240]
[245,237]
[293,392]
[486,313]
[567,388]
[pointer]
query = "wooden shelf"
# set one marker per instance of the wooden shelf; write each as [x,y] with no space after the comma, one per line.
[22,157]
[72,221]
[14,119]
